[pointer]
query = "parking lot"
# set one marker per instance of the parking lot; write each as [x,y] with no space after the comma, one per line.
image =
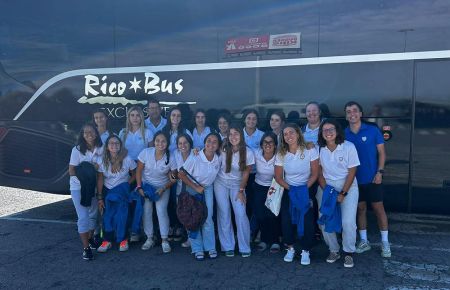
[40,248]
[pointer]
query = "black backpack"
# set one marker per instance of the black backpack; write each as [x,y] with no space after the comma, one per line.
[191,210]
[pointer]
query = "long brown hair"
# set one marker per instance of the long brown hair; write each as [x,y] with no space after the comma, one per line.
[228,149]
[284,148]
[116,163]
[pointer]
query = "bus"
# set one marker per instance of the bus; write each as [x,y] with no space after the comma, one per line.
[60,61]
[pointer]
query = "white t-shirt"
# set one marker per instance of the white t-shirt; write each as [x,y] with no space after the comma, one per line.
[110,179]
[155,171]
[178,161]
[104,136]
[203,170]
[265,170]
[335,164]
[135,143]
[297,167]
[199,139]
[76,157]
[234,175]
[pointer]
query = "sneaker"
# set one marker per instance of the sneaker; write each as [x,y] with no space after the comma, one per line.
[305,258]
[261,247]
[123,247]
[363,246]
[93,243]
[289,257]
[229,253]
[385,250]
[275,248]
[348,261]
[148,244]
[104,247]
[212,254]
[186,244]
[199,256]
[178,236]
[87,254]
[245,254]
[134,238]
[333,257]
[166,247]
[171,234]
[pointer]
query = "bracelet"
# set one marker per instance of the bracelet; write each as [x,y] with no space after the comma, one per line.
[344,193]
[137,188]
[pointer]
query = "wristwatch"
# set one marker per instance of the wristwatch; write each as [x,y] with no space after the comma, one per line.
[381,171]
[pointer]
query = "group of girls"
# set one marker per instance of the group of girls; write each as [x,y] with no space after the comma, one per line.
[234,167]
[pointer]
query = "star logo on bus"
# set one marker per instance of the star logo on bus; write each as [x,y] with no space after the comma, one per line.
[135,85]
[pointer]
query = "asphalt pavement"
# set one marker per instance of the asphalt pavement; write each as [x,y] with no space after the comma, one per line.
[40,248]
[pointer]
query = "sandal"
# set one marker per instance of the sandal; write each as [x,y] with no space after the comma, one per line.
[199,256]
[261,247]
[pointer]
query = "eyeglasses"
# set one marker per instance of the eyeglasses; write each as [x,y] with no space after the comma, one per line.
[329,130]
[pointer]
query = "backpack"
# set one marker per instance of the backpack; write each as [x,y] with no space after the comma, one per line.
[191,210]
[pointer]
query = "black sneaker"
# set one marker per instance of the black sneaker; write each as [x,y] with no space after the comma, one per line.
[94,243]
[87,254]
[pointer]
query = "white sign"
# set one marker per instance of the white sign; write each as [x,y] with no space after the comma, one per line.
[284,41]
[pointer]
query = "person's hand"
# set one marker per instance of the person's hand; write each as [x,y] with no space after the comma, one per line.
[340,198]
[196,151]
[141,192]
[199,189]
[101,205]
[160,191]
[378,178]
[241,196]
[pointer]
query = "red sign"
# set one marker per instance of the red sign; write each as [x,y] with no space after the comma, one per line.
[244,44]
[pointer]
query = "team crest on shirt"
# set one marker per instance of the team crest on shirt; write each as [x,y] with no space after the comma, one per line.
[302,156]
[341,158]
[364,138]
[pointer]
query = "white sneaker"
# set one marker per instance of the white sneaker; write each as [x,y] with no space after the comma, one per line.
[166,247]
[148,244]
[289,257]
[186,244]
[385,250]
[305,258]
[134,238]
[363,246]
[104,247]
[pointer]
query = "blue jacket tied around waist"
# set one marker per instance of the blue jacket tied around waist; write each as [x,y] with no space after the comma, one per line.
[330,210]
[115,217]
[300,205]
[150,193]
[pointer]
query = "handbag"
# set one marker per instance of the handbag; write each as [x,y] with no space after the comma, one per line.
[191,209]
[274,195]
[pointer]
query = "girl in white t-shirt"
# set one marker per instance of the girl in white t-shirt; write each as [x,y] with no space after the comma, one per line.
[200,130]
[300,165]
[237,160]
[135,136]
[339,161]
[265,166]
[204,168]
[223,125]
[100,120]
[116,172]
[89,149]
[277,120]
[153,169]
[179,156]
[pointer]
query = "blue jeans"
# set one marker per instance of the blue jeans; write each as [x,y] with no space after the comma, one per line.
[205,240]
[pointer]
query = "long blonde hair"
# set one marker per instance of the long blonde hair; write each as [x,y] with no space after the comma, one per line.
[128,124]
[284,148]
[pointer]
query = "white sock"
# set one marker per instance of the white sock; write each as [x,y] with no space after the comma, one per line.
[384,236]
[363,235]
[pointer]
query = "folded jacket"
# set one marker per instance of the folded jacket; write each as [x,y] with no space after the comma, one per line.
[330,210]
[150,192]
[87,175]
[299,206]
[116,212]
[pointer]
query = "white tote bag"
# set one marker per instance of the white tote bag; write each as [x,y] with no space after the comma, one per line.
[274,195]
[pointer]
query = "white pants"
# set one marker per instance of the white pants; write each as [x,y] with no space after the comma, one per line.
[161,211]
[87,215]
[224,193]
[348,211]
